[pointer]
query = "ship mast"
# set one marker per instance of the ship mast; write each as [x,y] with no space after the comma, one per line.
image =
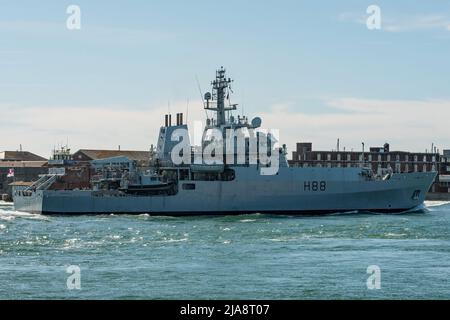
[220,87]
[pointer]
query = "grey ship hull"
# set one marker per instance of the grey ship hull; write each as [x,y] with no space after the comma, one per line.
[289,192]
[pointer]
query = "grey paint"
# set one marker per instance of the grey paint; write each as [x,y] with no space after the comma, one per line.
[250,192]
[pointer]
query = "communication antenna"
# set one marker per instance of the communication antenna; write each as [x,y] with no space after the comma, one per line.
[363,157]
[243,102]
[201,95]
[187,110]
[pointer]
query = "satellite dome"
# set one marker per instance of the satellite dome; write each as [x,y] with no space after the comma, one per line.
[256,122]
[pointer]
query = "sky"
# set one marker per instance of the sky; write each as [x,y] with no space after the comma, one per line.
[312,69]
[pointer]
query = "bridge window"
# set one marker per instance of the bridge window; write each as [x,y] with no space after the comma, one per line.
[227,175]
[188,186]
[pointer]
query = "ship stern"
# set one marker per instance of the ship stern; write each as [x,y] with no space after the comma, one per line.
[28,202]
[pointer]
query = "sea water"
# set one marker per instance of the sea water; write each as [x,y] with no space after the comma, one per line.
[226,257]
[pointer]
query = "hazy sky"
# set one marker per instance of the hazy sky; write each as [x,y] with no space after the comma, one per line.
[309,68]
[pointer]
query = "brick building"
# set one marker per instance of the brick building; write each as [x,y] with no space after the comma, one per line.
[25,165]
[76,170]
[380,159]
[444,172]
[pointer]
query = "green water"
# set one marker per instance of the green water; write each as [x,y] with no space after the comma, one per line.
[239,257]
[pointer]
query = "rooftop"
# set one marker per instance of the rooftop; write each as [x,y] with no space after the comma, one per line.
[22,164]
[20,184]
[20,156]
[103,154]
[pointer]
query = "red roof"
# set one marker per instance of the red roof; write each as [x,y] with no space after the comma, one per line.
[103,154]
[20,156]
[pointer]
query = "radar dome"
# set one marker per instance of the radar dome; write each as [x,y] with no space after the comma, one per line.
[256,123]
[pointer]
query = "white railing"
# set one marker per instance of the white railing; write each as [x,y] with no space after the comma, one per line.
[37,182]
[45,185]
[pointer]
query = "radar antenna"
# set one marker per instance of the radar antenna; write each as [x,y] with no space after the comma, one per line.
[220,87]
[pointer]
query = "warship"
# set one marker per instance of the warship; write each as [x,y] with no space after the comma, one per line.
[244,172]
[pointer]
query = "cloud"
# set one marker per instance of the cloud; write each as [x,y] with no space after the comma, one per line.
[422,22]
[401,23]
[408,125]
[39,129]
[352,17]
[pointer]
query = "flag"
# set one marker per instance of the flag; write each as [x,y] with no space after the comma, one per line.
[10,173]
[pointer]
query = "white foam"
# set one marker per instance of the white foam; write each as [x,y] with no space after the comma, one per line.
[145,215]
[8,213]
[395,235]
[436,203]
[4,204]
[170,240]
[71,244]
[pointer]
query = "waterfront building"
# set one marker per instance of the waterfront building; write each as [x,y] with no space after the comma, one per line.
[19,166]
[382,160]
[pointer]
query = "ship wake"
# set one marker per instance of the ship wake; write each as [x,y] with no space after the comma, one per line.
[7,213]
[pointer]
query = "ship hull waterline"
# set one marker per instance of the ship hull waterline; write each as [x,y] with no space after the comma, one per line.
[293,191]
